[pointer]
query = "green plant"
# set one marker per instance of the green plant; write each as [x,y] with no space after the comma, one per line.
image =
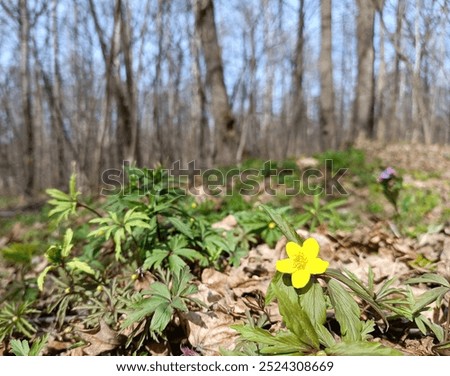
[354,160]
[257,222]
[155,308]
[414,206]
[304,310]
[65,204]
[59,256]
[22,348]
[117,228]
[316,214]
[107,302]
[392,184]
[14,318]
[172,255]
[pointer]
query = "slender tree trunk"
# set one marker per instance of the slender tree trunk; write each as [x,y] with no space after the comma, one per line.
[57,118]
[381,84]
[394,131]
[249,120]
[160,144]
[299,120]
[26,93]
[363,111]
[110,60]
[224,122]
[420,118]
[198,109]
[267,120]
[327,115]
[129,129]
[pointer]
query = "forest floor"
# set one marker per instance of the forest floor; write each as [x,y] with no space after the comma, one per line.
[362,233]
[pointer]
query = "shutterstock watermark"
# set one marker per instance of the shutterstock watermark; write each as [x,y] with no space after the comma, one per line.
[219,182]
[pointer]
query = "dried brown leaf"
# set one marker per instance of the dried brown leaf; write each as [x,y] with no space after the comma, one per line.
[100,340]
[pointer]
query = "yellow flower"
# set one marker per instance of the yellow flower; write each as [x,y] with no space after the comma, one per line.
[193,205]
[302,262]
[272,225]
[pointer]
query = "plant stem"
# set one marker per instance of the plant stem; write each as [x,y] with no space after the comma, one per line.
[81,205]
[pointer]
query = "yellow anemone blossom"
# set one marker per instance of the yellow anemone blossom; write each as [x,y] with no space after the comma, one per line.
[302,262]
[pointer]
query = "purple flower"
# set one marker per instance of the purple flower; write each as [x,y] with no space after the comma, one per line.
[387,174]
[186,351]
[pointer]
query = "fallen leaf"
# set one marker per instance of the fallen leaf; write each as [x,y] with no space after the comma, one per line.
[100,340]
[228,223]
[210,331]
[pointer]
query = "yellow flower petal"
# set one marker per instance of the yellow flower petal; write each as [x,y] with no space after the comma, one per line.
[317,266]
[285,266]
[300,278]
[310,248]
[293,249]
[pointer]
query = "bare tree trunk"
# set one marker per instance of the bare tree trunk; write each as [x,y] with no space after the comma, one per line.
[110,59]
[160,144]
[299,120]
[267,119]
[394,129]
[224,122]
[363,111]
[327,115]
[248,124]
[198,107]
[420,119]
[26,93]
[381,83]
[57,119]
[128,132]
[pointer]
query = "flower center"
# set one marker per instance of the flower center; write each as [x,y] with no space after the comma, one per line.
[300,261]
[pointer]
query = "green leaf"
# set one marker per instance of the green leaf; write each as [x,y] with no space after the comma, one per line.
[325,337]
[67,243]
[161,317]
[429,297]
[283,343]
[58,195]
[361,349]
[76,264]
[181,285]
[187,253]
[255,334]
[270,293]
[358,290]
[181,227]
[39,345]
[158,288]
[137,223]
[420,324]
[429,278]
[155,259]
[142,309]
[176,262]
[296,319]
[20,348]
[347,312]
[422,321]
[25,327]
[313,302]
[118,236]
[41,278]
[283,225]
[335,203]
[179,304]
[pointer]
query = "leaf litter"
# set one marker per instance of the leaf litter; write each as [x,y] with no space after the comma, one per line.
[231,295]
